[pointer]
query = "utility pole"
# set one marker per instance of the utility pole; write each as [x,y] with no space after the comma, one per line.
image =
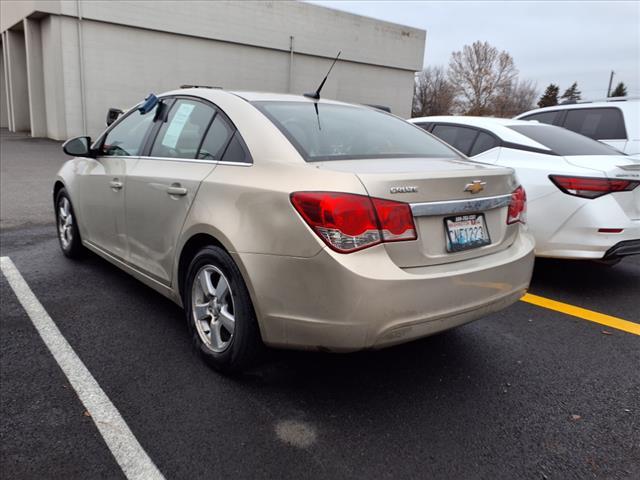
[291,64]
[610,82]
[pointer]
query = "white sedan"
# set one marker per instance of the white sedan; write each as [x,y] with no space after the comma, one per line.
[583,200]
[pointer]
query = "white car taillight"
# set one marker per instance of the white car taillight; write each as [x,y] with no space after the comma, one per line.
[347,222]
[591,187]
[517,207]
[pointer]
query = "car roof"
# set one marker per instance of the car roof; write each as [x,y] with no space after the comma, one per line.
[211,93]
[497,126]
[281,97]
[623,103]
[470,120]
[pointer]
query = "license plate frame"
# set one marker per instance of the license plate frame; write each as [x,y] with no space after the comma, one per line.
[472,220]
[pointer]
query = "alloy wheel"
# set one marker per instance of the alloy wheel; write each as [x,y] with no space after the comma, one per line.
[65,222]
[212,308]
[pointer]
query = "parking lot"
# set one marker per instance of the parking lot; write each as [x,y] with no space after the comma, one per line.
[530,392]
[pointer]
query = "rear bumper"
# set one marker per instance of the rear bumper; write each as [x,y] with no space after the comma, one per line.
[623,249]
[363,300]
[579,237]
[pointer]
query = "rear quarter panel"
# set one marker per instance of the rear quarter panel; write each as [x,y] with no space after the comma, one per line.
[247,208]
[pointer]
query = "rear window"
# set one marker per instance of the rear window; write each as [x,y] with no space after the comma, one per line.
[459,137]
[483,143]
[339,132]
[597,123]
[564,142]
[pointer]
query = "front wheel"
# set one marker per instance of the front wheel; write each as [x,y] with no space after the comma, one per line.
[67,225]
[220,313]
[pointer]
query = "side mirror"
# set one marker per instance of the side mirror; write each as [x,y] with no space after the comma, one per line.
[78,147]
[112,115]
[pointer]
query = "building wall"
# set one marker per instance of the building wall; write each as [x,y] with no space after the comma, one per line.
[4,105]
[317,30]
[125,71]
[17,80]
[54,93]
[115,56]
[35,77]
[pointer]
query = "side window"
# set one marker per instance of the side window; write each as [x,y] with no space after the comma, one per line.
[458,137]
[237,151]
[216,139]
[551,118]
[597,123]
[125,139]
[181,134]
[424,126]
[483,143]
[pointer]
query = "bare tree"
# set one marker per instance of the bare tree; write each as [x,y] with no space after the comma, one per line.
[432,94]
[514,98]
[479,72]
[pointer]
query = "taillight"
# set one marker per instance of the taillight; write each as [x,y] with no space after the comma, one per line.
[517,207]
[590,187]
[348,222]
[396,220]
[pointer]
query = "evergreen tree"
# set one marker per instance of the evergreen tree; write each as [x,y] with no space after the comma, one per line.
[550,96]
[620,90]
[572,94]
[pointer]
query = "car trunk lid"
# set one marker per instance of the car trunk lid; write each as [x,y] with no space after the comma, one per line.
[438,189]
[615,167]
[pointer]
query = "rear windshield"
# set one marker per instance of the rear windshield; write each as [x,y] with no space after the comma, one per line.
[339,132]
[564,142]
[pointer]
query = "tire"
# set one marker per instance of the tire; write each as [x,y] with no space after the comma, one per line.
[67,226]
[228,347]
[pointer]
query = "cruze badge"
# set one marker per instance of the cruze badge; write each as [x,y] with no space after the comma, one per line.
[475,187]
[403,189]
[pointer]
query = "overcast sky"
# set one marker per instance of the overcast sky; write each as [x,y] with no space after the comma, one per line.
[557,42]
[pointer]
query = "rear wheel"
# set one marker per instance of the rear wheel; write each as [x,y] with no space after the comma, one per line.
[67,225]
[220,313]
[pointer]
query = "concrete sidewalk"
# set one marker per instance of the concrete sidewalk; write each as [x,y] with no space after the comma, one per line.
[27,170]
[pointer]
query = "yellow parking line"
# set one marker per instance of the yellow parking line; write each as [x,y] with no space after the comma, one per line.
[590,315]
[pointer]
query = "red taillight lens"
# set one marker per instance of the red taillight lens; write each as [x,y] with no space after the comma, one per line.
[348,222]
[590,187]
[396,220]
[517,207]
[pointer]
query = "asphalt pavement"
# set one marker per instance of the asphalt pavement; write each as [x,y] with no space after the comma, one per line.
[528,392]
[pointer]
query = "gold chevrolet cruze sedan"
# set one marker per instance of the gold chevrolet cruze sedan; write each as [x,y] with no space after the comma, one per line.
[295,222]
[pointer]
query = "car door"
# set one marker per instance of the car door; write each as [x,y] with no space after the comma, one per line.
[103,182]
[162,185]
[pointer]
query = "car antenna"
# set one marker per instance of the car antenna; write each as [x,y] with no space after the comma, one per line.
[316,95]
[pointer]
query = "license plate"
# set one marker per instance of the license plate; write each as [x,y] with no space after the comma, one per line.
[465,232]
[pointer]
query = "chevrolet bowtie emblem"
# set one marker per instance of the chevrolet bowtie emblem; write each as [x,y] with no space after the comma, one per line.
[475,187]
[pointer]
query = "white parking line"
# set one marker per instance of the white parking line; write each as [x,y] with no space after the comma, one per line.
[129,454]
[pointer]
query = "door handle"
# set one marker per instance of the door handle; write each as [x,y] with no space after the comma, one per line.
[116,184]
[176,190]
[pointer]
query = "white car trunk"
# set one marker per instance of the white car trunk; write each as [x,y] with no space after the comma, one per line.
[615,167]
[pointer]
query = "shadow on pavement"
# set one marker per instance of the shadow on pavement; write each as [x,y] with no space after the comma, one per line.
[585,278]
